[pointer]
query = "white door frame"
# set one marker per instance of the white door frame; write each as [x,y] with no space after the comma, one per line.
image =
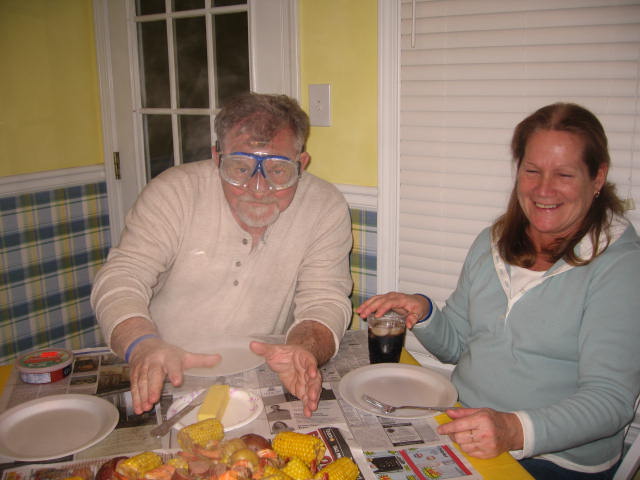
[388,143]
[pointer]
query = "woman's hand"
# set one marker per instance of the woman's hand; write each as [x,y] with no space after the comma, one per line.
[413,307]
[483,432]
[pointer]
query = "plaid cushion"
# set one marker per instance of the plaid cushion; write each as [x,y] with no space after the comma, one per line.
[364,224]
[51,245]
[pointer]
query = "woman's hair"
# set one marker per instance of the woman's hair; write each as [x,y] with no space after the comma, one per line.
[513,243]
[261,117]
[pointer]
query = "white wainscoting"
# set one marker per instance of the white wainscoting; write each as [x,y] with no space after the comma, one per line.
[50,180]
[359,197]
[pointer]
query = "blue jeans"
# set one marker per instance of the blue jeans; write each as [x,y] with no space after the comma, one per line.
[546,470]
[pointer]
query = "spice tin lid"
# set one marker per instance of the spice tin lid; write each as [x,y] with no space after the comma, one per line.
[46,360]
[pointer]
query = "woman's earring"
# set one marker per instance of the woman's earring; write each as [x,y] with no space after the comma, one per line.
[597,194]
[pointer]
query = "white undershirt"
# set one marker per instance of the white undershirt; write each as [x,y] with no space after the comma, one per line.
[521,277]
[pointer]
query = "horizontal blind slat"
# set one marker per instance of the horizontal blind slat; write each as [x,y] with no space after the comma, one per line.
[543,36]
[424,101]
[553,88]
[436,58]
[531,20]
[571,70]
[452,9]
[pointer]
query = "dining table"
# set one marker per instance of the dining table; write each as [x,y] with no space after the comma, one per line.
[502,467]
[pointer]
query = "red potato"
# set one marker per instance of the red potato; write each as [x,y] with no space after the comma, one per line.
[255,442]
[108,469]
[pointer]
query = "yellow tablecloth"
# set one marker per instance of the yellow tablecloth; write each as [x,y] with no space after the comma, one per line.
[503,467]
[5,371]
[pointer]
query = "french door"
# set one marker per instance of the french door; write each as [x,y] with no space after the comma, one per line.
[166,68]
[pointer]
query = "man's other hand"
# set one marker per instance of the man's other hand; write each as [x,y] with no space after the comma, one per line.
[297,368]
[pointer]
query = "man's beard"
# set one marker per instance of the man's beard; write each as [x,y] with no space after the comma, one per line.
[258,216]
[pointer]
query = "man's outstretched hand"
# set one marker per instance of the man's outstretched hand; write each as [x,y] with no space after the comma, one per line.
[152,361]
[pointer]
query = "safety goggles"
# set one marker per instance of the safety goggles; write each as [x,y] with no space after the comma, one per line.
[238,168]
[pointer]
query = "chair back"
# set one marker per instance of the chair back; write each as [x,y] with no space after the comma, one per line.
[630,462]
[631,459]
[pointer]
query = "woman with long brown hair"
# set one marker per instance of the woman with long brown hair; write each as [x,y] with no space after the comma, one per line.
[544,324]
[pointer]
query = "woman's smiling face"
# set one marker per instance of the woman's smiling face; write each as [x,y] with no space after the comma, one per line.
[554,188]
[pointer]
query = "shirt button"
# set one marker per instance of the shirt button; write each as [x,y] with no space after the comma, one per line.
[245,241]
[235,283]
[238,263]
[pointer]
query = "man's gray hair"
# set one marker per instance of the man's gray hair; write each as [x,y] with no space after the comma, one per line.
[261,117]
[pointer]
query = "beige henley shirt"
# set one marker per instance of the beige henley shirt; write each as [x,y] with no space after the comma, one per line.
[184,263]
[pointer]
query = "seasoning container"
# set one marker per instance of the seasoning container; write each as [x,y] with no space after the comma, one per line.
[45,366]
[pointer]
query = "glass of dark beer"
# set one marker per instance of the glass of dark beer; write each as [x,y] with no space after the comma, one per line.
[386,337]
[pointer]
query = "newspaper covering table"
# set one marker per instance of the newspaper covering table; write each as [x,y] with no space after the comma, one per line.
[384,448]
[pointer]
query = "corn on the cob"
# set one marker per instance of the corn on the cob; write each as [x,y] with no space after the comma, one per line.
[292,444]
[341,469]
[201,434]
[179,463]
[272,473]
[135,467]
[296,469]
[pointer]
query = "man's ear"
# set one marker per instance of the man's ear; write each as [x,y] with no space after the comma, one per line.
[305,158]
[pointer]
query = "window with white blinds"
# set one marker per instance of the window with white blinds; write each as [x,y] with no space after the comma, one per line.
[469,72]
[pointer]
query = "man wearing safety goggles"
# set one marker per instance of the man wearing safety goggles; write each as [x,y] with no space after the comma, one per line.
[247,243]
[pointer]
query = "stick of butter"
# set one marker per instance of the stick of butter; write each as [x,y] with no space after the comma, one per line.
[214,403]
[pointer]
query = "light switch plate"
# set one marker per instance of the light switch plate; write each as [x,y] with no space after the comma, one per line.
[320,105]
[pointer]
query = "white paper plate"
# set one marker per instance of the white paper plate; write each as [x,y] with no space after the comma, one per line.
[397,384]
[55,426]
[236,358]
[243,408]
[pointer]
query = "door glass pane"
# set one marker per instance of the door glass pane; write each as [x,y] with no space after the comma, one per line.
[181,5]
[154,64]
[231,40]
[224,3]
[195,135]
[158,143]
[191,59]
[147,7]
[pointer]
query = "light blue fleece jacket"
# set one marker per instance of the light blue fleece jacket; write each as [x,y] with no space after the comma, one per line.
[564,353]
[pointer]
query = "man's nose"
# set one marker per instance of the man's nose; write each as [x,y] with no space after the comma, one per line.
[258,183]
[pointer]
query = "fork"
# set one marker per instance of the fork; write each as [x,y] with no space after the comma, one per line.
[162,429]
[386,408]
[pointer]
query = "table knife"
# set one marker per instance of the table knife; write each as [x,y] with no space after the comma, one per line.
[162,429]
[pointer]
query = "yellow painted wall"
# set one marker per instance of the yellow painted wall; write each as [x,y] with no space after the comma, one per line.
[338,46]
[49,95]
